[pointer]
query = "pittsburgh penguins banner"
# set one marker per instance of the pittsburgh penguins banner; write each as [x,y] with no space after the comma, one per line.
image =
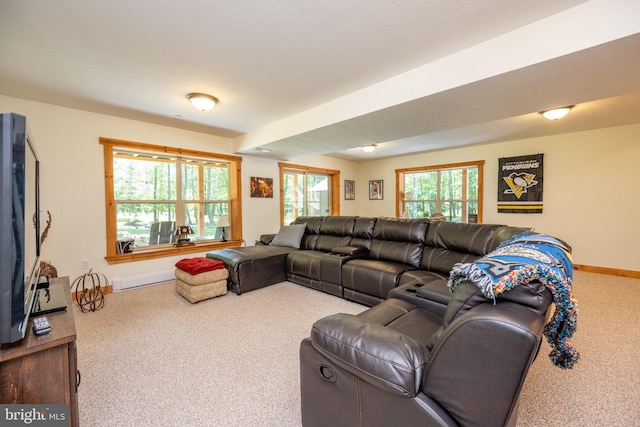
[520,184]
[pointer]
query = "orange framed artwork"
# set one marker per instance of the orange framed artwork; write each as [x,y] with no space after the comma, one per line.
[261,187]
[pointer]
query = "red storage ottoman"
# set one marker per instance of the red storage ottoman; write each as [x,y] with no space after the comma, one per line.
[198,279]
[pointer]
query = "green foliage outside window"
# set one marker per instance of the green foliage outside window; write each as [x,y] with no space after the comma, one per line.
[305,194]
[146,189]
[452,192]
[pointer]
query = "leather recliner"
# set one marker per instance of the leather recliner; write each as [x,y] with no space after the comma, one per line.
[340,239]
[399,363]
[396,247]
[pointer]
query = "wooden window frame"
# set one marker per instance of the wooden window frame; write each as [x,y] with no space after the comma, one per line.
[235,202]
[400,202]
[335,185]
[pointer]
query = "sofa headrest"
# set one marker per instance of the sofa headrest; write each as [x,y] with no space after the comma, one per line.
[461,237]
[313,223]
[364,227]
[503,234]
[402,230]
[338,225]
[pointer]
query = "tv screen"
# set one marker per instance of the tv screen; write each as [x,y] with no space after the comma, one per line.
[19,227]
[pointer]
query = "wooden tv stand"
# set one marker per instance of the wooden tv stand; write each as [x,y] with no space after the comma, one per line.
[43,369]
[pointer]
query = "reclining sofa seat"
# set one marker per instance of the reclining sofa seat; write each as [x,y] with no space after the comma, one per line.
[340,239]
[396,247]
[449,243]
[398,363]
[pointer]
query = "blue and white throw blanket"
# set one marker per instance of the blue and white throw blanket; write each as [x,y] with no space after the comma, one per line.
[520,260]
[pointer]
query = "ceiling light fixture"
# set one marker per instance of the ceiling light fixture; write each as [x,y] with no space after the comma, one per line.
[369,148]
[202,101]
[557,113]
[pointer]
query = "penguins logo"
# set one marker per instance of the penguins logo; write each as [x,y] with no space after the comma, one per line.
[518,183]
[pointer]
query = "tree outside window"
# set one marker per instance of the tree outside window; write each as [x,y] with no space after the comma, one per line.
[308,191]
[151,190]
[453,190]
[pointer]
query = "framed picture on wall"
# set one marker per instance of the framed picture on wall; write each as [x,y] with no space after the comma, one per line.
[376,189]
[349,190]
[261,187]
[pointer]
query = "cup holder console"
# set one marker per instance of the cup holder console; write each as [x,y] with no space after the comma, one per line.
[429,293]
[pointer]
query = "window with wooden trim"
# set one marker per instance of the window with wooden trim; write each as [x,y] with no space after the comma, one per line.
[152,190]
[308,191]
[453,190]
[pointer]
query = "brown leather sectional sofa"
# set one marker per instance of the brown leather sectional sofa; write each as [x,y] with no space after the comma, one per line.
[420,355]
[361,258]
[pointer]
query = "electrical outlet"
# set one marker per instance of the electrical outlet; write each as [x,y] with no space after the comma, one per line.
[84,263]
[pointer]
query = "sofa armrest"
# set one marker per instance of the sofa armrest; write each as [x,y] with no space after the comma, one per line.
[492,344]
[379,355]
[265,239]
[430,295]
[349,250]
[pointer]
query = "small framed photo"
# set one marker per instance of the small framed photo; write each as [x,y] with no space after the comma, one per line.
[261,187]
[349,190]
[376,191]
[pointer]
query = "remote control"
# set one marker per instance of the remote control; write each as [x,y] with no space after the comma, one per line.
[41,326]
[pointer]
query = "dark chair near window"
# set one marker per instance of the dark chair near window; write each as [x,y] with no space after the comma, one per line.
[162,232]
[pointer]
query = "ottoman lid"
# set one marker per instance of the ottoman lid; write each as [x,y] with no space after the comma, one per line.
[198,265]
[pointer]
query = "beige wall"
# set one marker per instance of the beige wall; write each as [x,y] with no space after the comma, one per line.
[590,190]
[72,180]
[588,195]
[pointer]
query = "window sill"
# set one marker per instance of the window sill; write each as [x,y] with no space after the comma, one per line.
[172,251]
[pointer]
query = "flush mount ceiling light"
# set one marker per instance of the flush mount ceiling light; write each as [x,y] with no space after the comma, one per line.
[202,101]
[369,148]
[556,113]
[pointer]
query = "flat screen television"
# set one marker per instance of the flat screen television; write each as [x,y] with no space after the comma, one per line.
[19,227]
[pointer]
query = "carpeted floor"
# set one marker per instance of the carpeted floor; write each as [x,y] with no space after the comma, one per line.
[604,387]
[150,358]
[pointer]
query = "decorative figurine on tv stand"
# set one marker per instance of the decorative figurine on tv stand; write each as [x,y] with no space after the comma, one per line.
[183,232]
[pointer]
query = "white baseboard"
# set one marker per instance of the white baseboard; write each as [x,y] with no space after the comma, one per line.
[127,283]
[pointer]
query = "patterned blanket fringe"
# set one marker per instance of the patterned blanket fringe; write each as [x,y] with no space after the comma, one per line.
[559,330]
[472,273]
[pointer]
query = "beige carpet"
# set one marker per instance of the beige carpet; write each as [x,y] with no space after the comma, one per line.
[150,358]
[604,387]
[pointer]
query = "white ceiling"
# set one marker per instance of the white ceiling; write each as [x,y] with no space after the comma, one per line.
[323,78]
